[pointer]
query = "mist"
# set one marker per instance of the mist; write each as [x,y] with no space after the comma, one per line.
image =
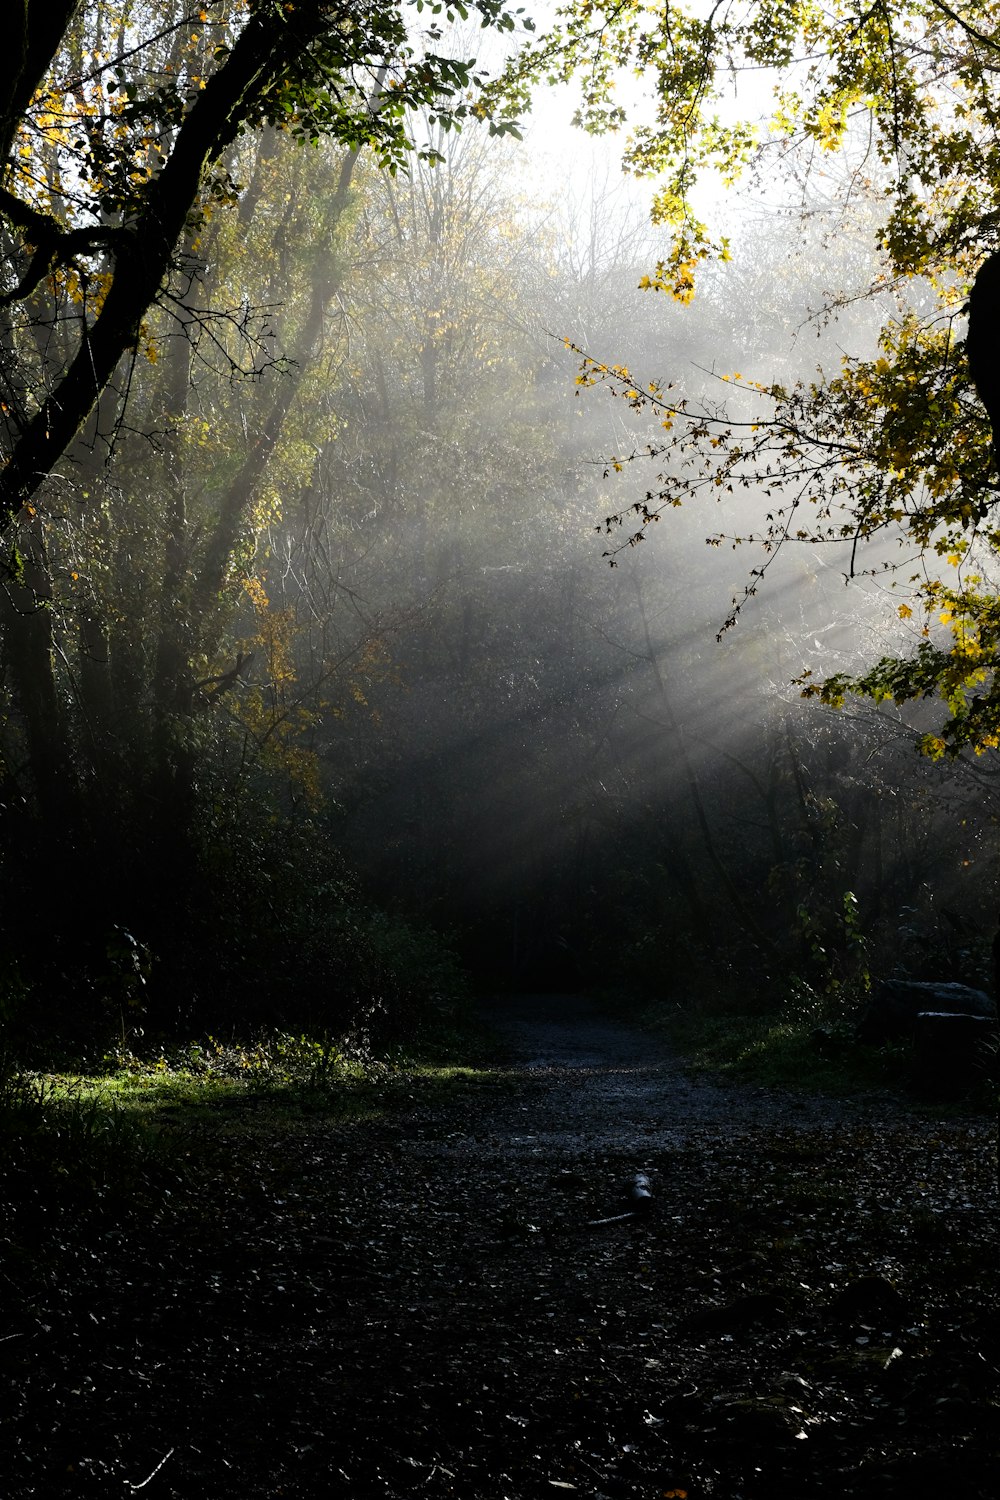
[351,615]
[499,715]
[561,762]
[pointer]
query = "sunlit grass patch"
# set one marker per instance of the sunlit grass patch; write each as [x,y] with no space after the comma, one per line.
[141,1089]
[135,1129]
[140,1135]
[449,1072]
[278,1073]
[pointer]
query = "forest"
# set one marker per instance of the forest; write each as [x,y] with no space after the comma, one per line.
[499,623]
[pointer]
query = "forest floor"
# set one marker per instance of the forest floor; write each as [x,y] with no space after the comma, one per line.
[417,1303]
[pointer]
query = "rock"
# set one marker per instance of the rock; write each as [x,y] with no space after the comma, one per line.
[952,1053]
[894,1005]
[640,1193]
[870,1299]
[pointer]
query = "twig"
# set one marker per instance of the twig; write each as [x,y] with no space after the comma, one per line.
[159,1466]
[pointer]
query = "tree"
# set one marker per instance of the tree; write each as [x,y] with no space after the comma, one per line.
[116,127]
[890,447]
[170,259]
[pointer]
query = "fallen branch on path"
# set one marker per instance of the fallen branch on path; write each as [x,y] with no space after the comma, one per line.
[640,1194]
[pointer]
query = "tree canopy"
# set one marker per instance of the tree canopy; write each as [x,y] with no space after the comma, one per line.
[290,503]
[118,128]
[893,443]
[115,128]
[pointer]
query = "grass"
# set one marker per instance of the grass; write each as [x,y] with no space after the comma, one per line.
[162,1095]
[115,1133]
[88,1151]
[72,1159]
[778,1051]
[806,1044]
[796,1053]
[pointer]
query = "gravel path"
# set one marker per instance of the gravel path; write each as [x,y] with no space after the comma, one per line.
[416,1305]
[610,1084]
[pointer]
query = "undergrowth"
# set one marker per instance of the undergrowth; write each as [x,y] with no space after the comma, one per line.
[74,1165]
[93,1155]
[775,1050]
[131,1131]
[813,1052]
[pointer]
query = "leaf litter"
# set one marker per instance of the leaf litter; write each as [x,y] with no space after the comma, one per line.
[420,1305]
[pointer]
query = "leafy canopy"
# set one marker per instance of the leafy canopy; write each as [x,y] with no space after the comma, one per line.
[892,445]
[116,122]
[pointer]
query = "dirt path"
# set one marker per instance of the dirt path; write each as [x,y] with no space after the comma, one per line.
[609,1083]
[416,1305]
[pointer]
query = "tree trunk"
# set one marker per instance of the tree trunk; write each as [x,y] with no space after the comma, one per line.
[237,504]
[144,249]
[29,649]
[32,37]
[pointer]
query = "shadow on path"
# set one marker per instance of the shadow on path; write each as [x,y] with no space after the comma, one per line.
[417,1306]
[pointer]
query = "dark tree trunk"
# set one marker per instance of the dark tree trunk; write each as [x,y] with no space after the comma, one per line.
[982,342]
[30,657]
[144,249]
[33,33]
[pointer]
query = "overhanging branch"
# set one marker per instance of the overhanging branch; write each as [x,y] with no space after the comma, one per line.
[54,244]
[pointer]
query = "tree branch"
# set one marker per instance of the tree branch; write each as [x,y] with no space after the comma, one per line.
[967,26]
[144,248]
[31,39]
[54,244]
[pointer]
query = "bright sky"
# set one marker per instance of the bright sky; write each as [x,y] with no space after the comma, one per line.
[560,152]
